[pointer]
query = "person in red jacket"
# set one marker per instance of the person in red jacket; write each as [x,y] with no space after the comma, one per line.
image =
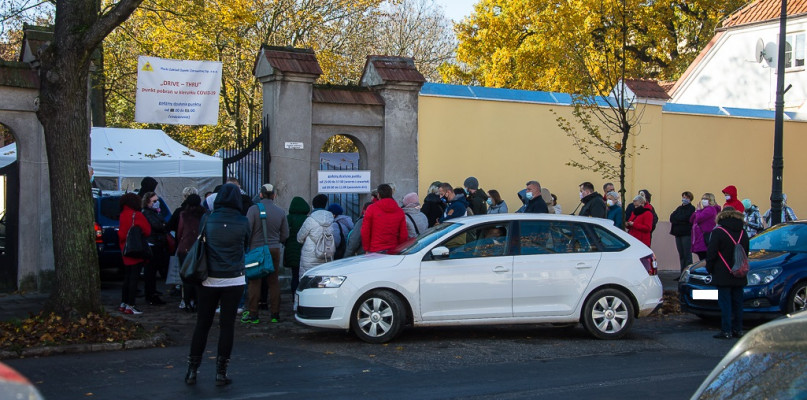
[384,225]
[640,222]
[129,216]
[731,199]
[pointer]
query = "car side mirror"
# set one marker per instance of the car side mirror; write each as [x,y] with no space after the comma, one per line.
[440,253]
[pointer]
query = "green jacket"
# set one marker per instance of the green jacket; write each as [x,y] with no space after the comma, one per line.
[298,212]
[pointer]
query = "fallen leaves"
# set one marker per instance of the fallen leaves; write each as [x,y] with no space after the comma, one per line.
[51,329]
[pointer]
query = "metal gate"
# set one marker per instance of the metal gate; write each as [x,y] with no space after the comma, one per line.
[8,227]
[248,160]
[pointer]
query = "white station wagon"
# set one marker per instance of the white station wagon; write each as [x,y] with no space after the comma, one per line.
[489,269]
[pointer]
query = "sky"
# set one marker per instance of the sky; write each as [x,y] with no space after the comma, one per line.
[457,9]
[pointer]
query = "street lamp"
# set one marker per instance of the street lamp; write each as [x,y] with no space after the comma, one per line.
[778,127]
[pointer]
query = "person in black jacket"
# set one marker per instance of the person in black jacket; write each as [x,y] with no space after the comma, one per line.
[535,203]
[158,241]
[433,206]
[227,233]
[681,228]
[476,197]
[593,204]
[719,259]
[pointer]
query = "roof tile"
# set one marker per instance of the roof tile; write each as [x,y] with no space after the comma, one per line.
[647,89]
[288,59]
[763,10]
[351,95]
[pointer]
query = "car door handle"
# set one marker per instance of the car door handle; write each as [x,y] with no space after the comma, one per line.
[583,266]
[501,269]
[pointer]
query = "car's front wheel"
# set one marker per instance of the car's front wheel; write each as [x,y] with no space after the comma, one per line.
[378,316]
[608,314]
[797,301]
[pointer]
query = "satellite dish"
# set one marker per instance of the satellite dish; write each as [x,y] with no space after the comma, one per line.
[759,52]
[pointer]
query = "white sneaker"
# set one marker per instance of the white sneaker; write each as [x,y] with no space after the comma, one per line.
[182,304]
[132,310]
[218,310]
[239,310]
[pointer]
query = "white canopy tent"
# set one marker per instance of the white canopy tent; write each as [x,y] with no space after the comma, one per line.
[122,157]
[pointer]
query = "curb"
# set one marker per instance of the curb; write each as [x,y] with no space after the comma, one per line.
[155,340]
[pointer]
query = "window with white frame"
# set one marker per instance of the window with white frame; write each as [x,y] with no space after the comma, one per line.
[794,50]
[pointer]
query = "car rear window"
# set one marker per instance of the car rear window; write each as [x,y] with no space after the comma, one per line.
[607,240]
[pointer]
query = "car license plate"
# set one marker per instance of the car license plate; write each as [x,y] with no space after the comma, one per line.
[296,301]
[698,294]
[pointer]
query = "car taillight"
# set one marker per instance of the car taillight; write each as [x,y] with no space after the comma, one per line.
[649,263]
[99,234]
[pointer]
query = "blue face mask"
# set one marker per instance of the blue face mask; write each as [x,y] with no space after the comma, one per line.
[489,201]
[529,195]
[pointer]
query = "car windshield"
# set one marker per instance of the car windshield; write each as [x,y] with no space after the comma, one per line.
[788,237]
[428,236]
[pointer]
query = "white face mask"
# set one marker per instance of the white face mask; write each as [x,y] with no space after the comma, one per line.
[155,205]
[581,195]
[610,202]
[705,202]
[728,197]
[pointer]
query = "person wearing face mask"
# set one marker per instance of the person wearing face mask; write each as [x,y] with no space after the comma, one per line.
[593,204]
[456,205]
[495,203]
[614,209]
[159,247]
[703,222]
[640,222]
[731,199]
[535,203]
[681,229]
[753,221]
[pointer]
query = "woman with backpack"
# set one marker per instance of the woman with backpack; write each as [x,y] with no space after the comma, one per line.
[316,236]
[720,258]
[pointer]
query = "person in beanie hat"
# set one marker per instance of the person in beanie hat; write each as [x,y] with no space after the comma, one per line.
[477,198]
[433,207]
[416,221]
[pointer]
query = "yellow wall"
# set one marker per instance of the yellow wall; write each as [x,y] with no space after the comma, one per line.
[505,144]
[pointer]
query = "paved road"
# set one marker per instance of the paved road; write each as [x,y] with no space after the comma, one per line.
[662,357]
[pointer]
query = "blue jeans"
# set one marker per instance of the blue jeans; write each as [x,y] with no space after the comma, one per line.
[730,300]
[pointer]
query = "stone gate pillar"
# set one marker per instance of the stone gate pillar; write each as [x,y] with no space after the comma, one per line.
[398,82]
[288,77]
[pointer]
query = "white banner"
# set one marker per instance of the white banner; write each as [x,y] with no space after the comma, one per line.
[345,181]
[177,92]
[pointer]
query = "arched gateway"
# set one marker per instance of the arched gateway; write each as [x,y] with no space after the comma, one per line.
[380,116]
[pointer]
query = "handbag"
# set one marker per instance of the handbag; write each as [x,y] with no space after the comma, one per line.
[259,260]
[194,268]
[136,245]
[172,277]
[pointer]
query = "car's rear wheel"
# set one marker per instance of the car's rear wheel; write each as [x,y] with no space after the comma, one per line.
[608,314]
[797,301]
[378,316]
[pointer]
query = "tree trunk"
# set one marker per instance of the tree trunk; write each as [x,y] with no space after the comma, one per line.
[63,113]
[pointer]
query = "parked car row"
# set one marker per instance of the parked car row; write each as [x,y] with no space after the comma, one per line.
[493,269]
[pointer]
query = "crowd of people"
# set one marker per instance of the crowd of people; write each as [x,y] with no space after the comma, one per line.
[310,235]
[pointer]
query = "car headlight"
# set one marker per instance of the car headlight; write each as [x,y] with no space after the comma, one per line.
[326,281]
[684,276]
[763,276]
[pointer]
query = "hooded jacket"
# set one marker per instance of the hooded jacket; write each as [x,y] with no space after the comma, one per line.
[593,206]
[500,208]
[384,226]
[456,208]
[298,213]
[433,208]
[642,228]
[721,244]
[477,200]
[753,221]
[228,234]
[309,233]
[703,221]
[733,201]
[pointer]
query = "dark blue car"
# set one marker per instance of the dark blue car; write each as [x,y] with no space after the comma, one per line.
[107,221]
[777,276]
